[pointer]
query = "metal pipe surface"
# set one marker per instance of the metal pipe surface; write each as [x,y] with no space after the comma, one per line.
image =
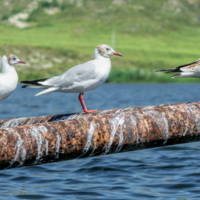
[36,140]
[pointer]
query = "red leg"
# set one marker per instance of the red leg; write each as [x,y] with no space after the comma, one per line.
[81,99]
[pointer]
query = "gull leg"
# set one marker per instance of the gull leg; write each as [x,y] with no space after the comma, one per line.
[81,99]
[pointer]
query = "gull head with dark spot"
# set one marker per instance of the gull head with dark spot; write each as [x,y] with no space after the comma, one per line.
[12,59]
[105,51]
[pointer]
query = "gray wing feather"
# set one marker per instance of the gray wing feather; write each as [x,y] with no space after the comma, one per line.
[77,73]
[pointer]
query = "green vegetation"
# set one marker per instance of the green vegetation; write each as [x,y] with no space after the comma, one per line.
[150,34]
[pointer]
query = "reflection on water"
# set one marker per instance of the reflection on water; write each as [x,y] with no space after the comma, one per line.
[161,173]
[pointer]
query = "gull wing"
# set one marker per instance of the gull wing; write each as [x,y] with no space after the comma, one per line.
[78,73]
[193,66]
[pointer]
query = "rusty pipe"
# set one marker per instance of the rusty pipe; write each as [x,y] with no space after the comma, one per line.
[36,140]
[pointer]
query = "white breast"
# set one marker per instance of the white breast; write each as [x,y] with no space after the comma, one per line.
[102,69]
[8,83]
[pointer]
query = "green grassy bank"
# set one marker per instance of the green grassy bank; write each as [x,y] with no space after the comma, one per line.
[150,34]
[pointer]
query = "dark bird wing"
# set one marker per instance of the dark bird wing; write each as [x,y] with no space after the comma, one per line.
[193,66]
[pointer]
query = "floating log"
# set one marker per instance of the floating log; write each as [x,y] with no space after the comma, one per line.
[36,140]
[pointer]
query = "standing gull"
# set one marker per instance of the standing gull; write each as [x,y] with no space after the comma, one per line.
[187,70]
[80,78]
[8,76]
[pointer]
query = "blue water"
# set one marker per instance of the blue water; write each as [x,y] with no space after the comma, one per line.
[171,172]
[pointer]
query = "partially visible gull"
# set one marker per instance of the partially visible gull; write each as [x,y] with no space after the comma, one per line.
[8,76]
[187,70]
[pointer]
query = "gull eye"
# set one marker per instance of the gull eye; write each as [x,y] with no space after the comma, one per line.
[107,49]
[14,58]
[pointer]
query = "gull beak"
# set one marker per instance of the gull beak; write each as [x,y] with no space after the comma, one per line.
[22,62]
[117,54]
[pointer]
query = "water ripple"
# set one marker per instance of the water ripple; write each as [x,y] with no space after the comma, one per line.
[171,172]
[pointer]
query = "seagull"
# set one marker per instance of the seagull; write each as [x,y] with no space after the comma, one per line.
[80,78]
[8,76]
[187,70]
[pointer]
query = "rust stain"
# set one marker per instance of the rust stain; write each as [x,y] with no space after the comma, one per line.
[36,140]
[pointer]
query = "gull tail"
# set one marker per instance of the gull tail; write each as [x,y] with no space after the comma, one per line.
[49,90]
[33,86]
[34,83]
[169,70]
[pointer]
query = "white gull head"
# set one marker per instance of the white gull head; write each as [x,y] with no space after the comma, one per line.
[9,60]
[104,51]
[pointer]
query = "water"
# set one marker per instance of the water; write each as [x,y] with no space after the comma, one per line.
[171,172]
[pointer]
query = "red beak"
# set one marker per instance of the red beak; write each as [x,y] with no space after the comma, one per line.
[117,54]
[23,62]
